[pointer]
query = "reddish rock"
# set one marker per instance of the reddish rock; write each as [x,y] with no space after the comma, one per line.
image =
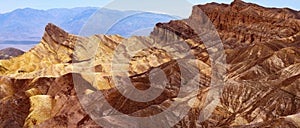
[261,85]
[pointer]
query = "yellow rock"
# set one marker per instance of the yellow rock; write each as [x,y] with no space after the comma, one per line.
[40,110]
[32,92]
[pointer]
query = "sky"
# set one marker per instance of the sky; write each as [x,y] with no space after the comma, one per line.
[10,5]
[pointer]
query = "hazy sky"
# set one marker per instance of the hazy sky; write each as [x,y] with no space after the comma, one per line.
[9,5]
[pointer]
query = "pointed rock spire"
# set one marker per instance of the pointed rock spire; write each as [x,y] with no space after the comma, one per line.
[55,33]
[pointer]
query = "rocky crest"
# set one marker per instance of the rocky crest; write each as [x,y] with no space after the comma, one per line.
[261,85]
[242,24]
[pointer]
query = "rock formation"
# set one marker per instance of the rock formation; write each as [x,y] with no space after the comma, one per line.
[261,85]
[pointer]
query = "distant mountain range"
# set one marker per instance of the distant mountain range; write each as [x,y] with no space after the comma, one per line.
[28,24]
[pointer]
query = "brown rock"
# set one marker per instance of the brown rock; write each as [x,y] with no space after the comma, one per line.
[261,85]
[8,53]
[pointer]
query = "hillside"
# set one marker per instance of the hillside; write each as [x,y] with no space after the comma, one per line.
[253,81]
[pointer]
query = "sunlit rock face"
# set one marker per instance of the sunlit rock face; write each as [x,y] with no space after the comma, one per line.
[261,84]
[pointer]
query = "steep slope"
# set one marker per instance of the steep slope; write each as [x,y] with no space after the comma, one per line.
[44,86]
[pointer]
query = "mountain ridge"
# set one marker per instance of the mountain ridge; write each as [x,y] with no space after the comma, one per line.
[261,83]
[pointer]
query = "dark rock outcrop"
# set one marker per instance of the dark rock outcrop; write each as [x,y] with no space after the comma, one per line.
[9,53]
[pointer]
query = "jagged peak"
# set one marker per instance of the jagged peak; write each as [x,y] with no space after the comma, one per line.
[54,34]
